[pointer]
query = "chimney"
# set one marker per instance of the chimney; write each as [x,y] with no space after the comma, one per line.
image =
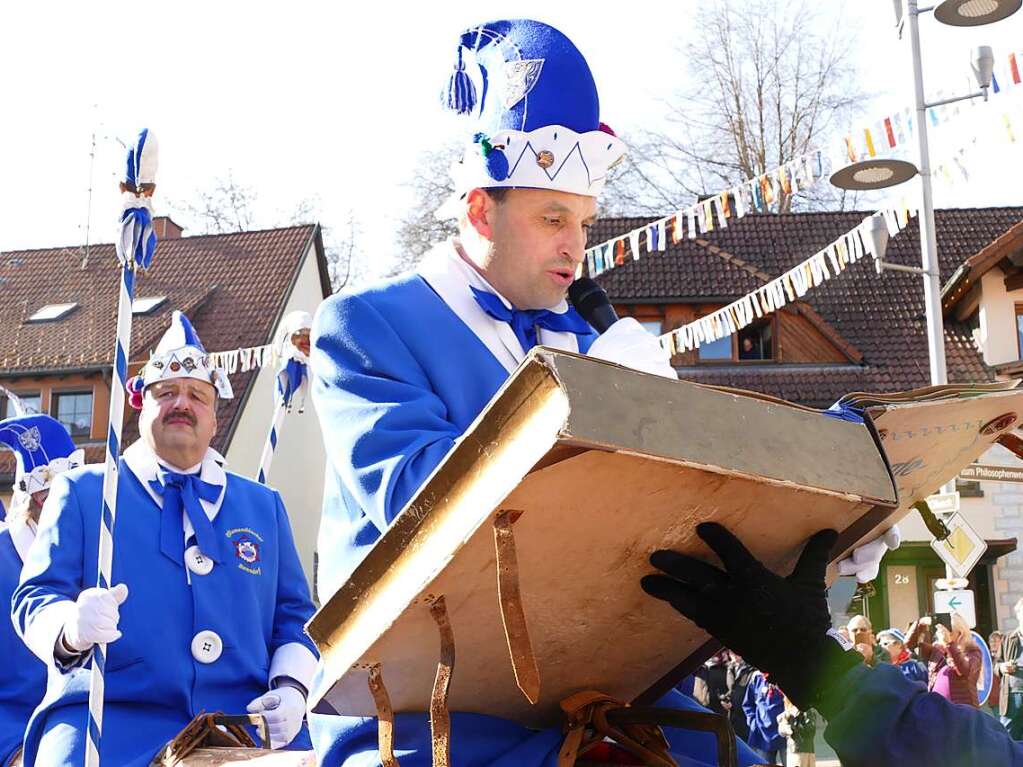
[166,229]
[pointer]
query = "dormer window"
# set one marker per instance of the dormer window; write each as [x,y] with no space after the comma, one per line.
[147,304]
[52,312]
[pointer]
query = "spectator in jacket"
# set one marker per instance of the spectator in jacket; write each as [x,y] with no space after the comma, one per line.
[1010,671]
[737,679]
[893,642]
[710,688]
[957,679]
[763,704]
[931,655]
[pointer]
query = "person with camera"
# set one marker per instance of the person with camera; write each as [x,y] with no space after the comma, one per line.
[955,676]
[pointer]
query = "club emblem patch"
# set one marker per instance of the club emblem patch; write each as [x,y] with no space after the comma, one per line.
[246,544]
[247,551]
[30,439]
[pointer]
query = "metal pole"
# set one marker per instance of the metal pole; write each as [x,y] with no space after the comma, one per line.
[928,245]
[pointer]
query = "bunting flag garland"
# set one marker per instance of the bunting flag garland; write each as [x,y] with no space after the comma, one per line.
[789,287]
[246,359]
[754,195]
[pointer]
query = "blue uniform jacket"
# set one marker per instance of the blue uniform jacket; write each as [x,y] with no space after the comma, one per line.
[763,705]
[397,378]
[154,684]
[887,719]
[24,676]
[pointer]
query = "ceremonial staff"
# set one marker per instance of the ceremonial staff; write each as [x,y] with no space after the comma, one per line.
[135,245]
[292,378]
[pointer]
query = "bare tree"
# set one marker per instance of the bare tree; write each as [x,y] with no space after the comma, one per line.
[420,229]
[228,206]
[768,82]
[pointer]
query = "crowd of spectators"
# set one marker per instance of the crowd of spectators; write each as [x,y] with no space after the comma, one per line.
[938,652]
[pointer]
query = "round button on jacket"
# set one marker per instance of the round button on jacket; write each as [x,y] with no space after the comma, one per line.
[198,562]
[207,646]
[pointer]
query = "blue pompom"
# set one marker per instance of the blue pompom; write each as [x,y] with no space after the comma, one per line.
[461,92]
[497,164]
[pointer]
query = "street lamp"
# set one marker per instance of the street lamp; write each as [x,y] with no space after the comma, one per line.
[882,173]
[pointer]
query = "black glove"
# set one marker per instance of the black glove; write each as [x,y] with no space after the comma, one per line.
[779,625]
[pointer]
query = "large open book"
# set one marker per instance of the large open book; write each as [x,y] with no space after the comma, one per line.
[530,539]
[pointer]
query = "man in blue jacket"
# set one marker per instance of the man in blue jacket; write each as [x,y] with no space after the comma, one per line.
[209,605]
[43,449]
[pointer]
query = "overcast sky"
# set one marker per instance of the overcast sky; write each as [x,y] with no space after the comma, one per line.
[333,101]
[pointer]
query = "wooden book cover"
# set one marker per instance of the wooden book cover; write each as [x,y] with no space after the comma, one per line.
[576,472]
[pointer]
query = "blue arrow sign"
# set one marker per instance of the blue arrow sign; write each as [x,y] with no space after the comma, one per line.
[954,603]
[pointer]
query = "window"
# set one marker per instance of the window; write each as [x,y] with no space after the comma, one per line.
[74,410]
[52,312]
[29,401]
[717,350]
[147,304]
[1019,330]
[756,341]
[651,326]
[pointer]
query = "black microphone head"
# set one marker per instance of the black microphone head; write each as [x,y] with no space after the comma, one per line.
[586,295]
[592,303]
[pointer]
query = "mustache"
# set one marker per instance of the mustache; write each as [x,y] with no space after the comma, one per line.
[180,414]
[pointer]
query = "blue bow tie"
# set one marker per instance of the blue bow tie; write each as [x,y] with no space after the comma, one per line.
[524,322]
[182,492]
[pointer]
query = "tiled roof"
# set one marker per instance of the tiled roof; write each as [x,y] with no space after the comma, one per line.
[233,287]
[881,316]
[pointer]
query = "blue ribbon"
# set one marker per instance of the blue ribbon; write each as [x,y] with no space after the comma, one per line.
[524,322]
[183,491]
[289,380]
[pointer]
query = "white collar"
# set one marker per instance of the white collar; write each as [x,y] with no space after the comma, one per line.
[23,532]
[452,278]
[144,464]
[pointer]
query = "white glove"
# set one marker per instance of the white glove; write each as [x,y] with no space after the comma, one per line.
[627,343]
[95,618]
[865,561]
[284,710]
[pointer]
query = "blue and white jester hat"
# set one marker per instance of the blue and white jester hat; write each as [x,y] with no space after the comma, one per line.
[179,354]
[536,114]
[136,239]
[43,449]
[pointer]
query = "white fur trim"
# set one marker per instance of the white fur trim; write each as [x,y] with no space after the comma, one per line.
[294,660]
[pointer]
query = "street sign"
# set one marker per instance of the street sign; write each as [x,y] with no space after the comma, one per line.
[948,584]
[944,503]
[979,472]
[962,549]
[960,600]
[987,670]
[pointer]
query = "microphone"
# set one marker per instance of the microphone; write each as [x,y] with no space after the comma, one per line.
[591,301]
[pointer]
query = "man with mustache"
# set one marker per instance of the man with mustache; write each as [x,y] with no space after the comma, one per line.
[210,600]
[43,449]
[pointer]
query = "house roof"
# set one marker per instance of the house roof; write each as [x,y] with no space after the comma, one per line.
[233,287]
[880,317]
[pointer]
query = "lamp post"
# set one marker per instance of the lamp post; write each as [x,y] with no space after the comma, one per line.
[883,173]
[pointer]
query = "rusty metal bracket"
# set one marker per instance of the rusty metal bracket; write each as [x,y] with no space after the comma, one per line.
[935,526]
[440,718]
[385,717]
[516,630]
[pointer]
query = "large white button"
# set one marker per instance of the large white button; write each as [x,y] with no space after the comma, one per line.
[198,562]
[207,646]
